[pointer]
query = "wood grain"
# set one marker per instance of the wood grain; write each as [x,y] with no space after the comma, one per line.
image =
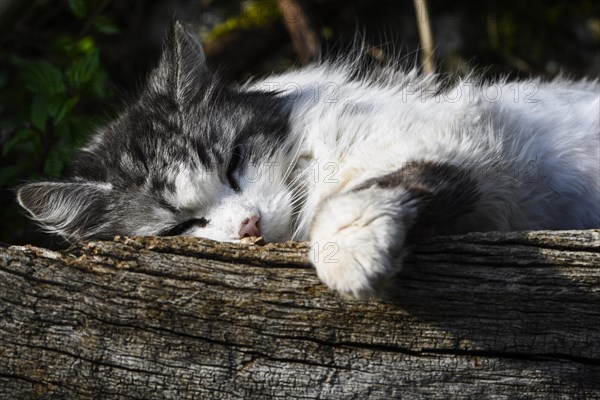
[494,315]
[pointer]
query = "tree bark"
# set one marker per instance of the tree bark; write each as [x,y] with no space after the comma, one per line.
[485,316]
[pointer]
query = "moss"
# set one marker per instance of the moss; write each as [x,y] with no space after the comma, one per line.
[254,14]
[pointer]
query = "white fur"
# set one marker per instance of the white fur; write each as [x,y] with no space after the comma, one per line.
[357,239]
[57,213]
[534,147]
[262,194]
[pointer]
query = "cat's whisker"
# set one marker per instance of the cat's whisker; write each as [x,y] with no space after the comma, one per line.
[293,161]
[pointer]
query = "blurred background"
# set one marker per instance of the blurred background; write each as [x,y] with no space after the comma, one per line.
[67,66]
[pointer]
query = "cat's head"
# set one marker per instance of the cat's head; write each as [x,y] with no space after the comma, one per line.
[190,156]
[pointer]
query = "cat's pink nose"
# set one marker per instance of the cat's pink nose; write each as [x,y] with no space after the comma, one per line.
[250,227]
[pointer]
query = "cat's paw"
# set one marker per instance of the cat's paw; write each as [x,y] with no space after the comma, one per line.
[357,240]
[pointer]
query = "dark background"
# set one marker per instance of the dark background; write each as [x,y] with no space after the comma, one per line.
[68,65]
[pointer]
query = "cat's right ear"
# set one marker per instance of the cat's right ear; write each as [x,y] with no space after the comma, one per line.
[74,210]
[182,71]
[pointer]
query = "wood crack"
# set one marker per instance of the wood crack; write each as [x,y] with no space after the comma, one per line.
[492,315]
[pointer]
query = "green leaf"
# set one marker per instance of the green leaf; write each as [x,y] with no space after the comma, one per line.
[39,112]
[53,164]
[82,70]
[27,148]
[105,25]
[19,137]
[86,45]
[43,78]
[78,7]
[58,108]
[97,85]
[64,45]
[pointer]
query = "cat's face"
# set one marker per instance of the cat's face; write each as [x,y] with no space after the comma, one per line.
[191,157]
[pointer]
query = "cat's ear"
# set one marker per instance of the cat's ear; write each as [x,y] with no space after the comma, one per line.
[74,210]
[182,71]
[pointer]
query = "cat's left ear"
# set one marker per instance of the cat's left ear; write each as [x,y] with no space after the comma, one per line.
[182,68]
[74,210]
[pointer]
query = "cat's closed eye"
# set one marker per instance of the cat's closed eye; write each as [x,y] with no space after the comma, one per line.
[184,226]
[233,164]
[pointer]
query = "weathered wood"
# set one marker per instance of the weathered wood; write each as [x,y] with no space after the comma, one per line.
[505,316]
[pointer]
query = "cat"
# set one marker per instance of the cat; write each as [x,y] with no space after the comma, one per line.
[355,161]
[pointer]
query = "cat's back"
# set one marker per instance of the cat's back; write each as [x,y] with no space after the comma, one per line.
[368,125]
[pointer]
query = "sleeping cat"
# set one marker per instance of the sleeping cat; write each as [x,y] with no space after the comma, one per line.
[355,162]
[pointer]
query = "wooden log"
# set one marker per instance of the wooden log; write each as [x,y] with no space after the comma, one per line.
[493,315]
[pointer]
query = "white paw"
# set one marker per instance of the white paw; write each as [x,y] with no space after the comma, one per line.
[357,240]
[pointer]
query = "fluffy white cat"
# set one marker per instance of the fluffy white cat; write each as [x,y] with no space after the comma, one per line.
[355,161]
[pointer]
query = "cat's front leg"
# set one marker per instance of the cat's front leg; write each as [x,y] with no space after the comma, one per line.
[357,238]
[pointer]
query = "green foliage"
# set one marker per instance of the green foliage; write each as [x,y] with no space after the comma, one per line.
[105,25]
[254,14]
[47,119]
[532,37]
[49,96]
[78,7]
